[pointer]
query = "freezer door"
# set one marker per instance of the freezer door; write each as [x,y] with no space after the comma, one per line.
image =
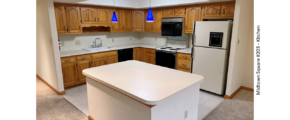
[210,63]
[203,29]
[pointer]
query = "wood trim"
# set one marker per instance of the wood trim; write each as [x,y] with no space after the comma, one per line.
[247,88]
[151,106]
[57,92]
[90,118]
[71,86]
[241,87]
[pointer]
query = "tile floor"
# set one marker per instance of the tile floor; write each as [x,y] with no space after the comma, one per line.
[78,97]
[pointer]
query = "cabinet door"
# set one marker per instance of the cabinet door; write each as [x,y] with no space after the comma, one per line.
[157,20]
[141,54]
[111,60]
[168,12]
[138,20]
[148,25]
[135,53]
[60,18]
[69,74]
[179,12]
[149,58]
[104,16]
[73,19]
[127,20]
[228,10]
[98,62]
[212,11]
[81,66]
[117,26]
[192,14]
[88,15]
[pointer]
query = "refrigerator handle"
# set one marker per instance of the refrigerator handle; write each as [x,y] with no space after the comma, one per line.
[192,47]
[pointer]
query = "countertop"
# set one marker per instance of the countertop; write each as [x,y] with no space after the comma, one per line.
[80,52]
[144,82]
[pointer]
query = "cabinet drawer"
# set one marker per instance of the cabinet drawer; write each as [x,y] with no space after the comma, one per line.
[104,54]
[68,59]
[83,57]
[183,70]
[184,56]
[184,64]
[150,51]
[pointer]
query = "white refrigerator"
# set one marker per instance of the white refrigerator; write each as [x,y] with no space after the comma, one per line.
[210,53]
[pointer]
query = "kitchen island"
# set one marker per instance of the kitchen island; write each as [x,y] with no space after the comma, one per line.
[134,90]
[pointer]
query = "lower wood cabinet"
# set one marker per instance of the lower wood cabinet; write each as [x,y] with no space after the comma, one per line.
[183,62]
[144,54]
[138,54]
[72,67]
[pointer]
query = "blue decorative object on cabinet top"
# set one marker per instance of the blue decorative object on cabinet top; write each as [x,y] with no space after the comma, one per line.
[150,17]
[114,18]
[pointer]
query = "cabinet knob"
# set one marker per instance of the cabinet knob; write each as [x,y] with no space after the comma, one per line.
[223,11]
[67,60]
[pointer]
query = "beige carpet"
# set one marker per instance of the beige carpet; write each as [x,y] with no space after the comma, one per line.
[50,106]
[241,107]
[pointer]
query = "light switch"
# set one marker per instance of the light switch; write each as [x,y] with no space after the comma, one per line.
[78,42]
[113,40]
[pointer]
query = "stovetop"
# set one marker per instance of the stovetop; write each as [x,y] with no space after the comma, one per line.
[169,49]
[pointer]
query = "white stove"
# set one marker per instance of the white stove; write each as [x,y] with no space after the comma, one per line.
[168,49]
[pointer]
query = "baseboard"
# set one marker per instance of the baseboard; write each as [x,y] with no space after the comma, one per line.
[90,118]
[242,87]
[57,92]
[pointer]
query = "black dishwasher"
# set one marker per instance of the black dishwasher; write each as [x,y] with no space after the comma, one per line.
[125,54]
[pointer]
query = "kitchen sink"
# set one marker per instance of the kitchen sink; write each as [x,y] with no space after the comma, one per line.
[95,49]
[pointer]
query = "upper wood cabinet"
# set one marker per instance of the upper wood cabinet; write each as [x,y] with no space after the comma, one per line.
[218,10]
[127,20]
[228,10]
[104,17]
[138,20]
[192,14]
[73,19]
[117,26]
[157,20]
[60,18]
[88,15]
[174,12]
[148,25]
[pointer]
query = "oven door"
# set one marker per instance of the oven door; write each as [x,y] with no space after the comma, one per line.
[165,59]
[171,29]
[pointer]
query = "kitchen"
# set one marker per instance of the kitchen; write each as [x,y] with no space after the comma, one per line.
[89,37]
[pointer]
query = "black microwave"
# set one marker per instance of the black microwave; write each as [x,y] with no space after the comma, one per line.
[171,27]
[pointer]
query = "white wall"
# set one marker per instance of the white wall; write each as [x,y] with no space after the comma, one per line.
[69,41]
[45,62]
[239,53]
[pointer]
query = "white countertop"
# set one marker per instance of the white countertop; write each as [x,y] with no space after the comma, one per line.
[80,52]
[144,82]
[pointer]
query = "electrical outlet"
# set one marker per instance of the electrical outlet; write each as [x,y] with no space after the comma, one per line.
[185,114]
[62,43]
[78,42]
[113,40]
[50,40]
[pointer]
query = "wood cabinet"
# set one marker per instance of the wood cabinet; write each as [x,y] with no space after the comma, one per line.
[218,10]
[150,55]
[138,20]
[138,54]
[183,62]
[174,12]
[60,19]
[98,62]
[228,10]
[73,18]
[104,17]
[88,15]
[192,14]
[157,20]
[127,20]
[83,62]
[112,59]
[104,58]
[117,26]
[69,71]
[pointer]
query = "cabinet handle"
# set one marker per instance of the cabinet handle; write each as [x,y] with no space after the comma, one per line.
[83,58]
[67,60]
[223,11]
[219,11]
[76,66]
[91,63]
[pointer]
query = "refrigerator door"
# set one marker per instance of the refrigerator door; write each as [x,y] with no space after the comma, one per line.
[210,63]
[204,29]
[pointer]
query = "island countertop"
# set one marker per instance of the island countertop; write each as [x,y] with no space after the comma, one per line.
[144,82]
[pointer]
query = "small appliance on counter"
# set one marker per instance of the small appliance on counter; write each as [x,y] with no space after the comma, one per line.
[210,53]
[125,54]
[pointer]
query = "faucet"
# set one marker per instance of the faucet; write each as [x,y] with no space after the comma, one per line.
[95,43]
